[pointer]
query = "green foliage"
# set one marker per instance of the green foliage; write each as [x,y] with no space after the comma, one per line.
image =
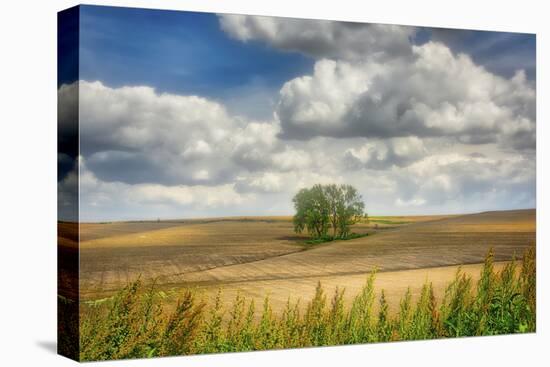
[182,327]
[68,327]
[337,319]
[423,323]
[457,309]
[359,320]
[311,212]
[322,207]
[128,328]
[240,333]
[383,326]
[320,240]
[212,337]
[528,289]
[350,209]
[133,325]
[503,303]
[404,319]
[291,326]
[267,332]
[316,318]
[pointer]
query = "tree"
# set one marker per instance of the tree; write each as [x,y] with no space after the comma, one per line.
[345,207]
[311,211]
[333,193]
[350,209]
[327,206]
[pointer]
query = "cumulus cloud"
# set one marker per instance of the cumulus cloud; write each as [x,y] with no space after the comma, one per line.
[455,179]
[322,38]
[416,128]
[369,80]
[172,152]
[438,93]
[292,159]
[382,154]
[136,135]
[258,193]
[98,196]
[266,182]
[133,118]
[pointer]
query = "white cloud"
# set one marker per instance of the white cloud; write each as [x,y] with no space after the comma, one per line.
[457,179]
[417,129]
[436,93]
[201,175]
[381,154]
[412,202]
[321,38]
[292,159]
[197,150]
[138,117]
[321,101]
[98,198]
[266,182]
[136,135]
[369,80]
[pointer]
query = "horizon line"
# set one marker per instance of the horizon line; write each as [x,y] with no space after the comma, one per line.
[181,219]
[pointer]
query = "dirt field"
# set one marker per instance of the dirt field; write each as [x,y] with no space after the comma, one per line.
[258,254]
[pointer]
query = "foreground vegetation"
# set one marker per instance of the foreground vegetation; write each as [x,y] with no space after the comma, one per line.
[133,324]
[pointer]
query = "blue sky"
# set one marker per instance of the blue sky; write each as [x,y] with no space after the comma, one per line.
[179,52]
[500,52]
[188,53]
[186,114]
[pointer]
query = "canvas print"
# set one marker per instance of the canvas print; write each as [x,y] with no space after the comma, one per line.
[231,183]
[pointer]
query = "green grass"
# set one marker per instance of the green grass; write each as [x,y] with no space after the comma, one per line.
[133,324]
[318,241]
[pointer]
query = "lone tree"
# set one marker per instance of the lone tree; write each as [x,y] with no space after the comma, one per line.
[322,208]
[311,211]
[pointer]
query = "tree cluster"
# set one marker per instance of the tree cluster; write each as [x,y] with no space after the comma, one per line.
[322,209]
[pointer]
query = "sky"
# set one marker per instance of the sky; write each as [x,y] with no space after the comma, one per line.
[187,114]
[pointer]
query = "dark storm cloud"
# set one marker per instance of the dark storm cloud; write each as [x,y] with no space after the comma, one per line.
[67,129]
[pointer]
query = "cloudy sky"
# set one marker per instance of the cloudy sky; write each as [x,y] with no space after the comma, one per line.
[199,115]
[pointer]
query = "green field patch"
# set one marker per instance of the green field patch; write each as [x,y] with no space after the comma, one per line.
[318,241]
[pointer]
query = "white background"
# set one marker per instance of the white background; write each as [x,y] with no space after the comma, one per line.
[28,182]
